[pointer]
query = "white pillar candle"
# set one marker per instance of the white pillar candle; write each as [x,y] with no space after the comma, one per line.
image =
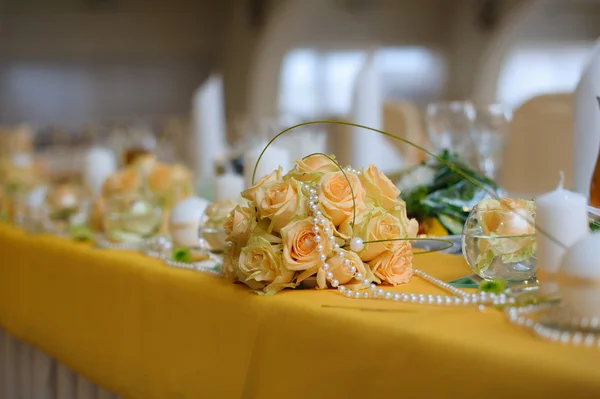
[99,164]
[562,215]
[228,187]
[273,158]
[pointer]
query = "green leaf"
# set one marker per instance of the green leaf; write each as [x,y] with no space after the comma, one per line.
[495,286]
[80,233]
[484,260]
[183,255]
[519,256]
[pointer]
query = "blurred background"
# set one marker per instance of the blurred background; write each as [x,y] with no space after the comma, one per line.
[201,82]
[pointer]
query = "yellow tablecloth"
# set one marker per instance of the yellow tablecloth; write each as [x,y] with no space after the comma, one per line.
[144,330]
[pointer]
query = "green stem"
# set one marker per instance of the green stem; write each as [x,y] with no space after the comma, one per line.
[420,148]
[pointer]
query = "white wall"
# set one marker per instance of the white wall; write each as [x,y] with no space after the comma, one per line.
[67,62]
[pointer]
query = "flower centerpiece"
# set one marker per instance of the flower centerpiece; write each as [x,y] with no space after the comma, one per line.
[166,184]
[342,226]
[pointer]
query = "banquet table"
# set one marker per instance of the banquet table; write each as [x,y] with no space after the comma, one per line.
[143,330]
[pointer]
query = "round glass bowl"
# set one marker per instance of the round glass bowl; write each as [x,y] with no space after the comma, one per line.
[131,218]
[500,243]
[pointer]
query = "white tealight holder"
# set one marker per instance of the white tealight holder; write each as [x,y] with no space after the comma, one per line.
[579,277]
[184,222]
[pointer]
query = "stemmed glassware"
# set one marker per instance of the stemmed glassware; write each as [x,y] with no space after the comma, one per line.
[477,133]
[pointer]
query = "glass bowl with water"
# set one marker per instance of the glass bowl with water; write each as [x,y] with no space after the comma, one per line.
[132,218]
[500,243]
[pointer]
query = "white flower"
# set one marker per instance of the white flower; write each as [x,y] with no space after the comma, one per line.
[420,176]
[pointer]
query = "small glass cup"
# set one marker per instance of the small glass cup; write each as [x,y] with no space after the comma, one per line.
[63,200]
[500,243]
[131,218]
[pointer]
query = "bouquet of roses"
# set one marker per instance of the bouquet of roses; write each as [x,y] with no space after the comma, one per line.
[341,226]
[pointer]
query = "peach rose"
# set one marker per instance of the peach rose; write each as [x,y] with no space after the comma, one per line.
[412,225]
[335,196]
[394,267]
[340,272]
[379,188]
[379,225]
[239,224]
[123,181]
[312,167]
[250,193]
[260,267]
[300,249]
[506,216]
[280,202]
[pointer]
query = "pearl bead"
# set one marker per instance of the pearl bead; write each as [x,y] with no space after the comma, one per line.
[365,283]
[322,221]
[388,295]
[313,208]
[340,254]
[348,168]
[352,269]
[373,287]
[322,257]
[312,191]
[325,266]
[318,214]
[358,172]
[396,297]
[341,289]
[349,293]
[326,230]
[316,229]
[380,292]
[329,275]
[346,262]
[366,294]
[311,204]
[335,283]
[357,295]
[315,220]
[356,244]
[336,247]
[317,238]
[305,187]
[320,248]
[358,276]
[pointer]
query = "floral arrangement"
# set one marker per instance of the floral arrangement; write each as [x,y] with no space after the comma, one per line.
[167,184]
[342,226]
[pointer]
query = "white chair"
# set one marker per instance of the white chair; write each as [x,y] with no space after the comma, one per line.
[539,146]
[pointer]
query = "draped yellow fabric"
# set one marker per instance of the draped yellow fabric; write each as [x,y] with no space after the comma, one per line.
[147,331]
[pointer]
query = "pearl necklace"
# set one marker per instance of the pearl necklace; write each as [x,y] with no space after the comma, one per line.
[368,290]
[573,334]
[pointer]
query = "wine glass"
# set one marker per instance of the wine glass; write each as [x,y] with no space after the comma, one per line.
[490,134]
[450,126]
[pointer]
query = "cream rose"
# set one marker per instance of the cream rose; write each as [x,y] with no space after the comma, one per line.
[231,260]
[376,225]
[239,224]
[300,249]
[506,218]
[336,196]
[260,267]
[340,272]
[250,193]
[280,202]
[394,267]
[379,188]
[312,167]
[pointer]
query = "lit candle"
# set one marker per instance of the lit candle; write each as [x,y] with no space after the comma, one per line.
[561,220]
[228,187]
[273,158]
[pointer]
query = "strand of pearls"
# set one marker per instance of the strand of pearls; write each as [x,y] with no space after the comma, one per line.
[368,290]
[573,334]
